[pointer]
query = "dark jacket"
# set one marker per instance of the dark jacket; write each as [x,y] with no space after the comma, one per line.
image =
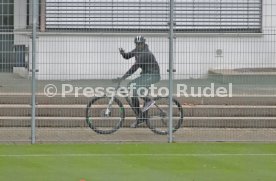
[144,59]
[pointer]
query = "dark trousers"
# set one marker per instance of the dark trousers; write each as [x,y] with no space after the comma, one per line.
[144,81]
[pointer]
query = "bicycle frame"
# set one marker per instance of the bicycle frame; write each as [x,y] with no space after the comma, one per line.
[107,111]
[128,101]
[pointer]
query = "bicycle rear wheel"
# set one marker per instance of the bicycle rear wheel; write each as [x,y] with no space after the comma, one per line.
[102,118]
[158,115]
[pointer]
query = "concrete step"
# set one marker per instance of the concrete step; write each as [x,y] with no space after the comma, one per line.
[243,75]
[201,122]
[189,110]
[6,98]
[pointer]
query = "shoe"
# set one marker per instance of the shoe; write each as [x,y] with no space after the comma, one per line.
[148,105]
[137,123]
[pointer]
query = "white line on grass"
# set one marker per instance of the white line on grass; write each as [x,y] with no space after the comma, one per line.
[135,155]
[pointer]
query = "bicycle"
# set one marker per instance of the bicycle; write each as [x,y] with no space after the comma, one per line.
[106,114]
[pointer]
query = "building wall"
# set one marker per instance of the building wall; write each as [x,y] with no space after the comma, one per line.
[95,56]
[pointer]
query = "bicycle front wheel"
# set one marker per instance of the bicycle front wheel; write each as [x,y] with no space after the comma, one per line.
[158,116]
[104,116]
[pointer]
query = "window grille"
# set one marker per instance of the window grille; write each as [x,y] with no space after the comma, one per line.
[6,16]
[145,15]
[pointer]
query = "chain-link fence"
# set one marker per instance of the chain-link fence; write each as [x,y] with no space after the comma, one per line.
[222,81]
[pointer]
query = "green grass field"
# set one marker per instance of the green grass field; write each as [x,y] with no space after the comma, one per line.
[131,162]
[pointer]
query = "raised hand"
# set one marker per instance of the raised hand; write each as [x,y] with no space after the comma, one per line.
[121,50]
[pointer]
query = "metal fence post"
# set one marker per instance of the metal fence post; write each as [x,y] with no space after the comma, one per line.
[34,33]
[171,36]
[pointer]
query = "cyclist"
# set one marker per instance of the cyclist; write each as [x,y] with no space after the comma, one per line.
[150,74]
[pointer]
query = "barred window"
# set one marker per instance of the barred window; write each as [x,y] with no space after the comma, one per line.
[153,15]
[6,16]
